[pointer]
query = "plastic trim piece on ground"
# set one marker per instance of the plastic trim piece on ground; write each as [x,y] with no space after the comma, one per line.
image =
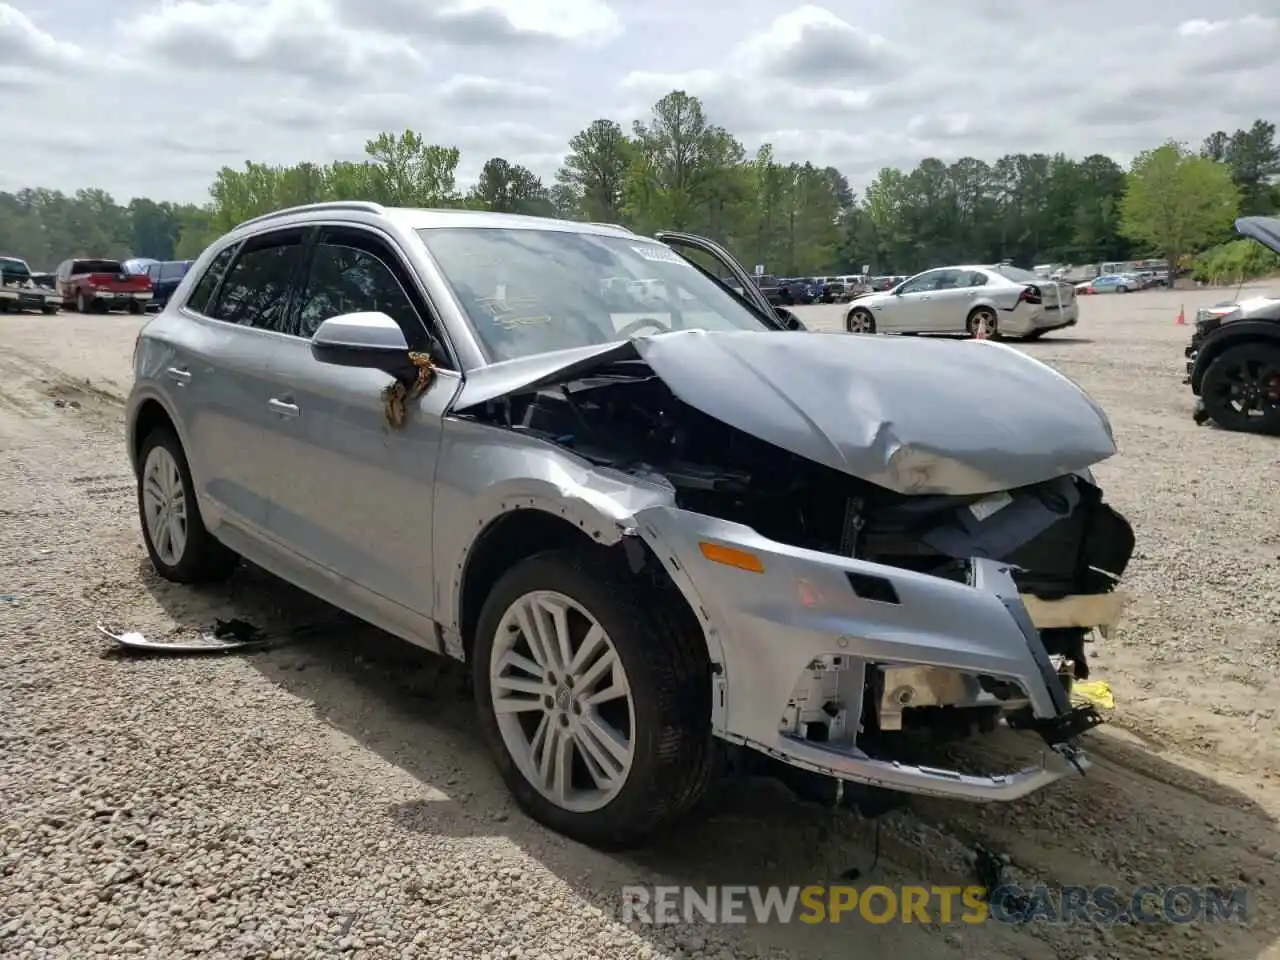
[227,635]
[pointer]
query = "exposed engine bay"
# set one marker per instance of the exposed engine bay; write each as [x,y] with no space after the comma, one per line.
[1059,537]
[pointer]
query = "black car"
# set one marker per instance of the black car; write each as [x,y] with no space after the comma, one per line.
[1233,357]
[165,276]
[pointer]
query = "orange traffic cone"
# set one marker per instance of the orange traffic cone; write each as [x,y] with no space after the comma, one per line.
[1182,317]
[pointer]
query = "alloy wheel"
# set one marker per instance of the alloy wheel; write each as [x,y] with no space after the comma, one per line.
[164,505]
[562,701]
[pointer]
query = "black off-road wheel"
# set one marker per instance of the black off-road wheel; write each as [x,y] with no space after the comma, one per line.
[1241,389]
[180,547]
[593,698]
[859,320]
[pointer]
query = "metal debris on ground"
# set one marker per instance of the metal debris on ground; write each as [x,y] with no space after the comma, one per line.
[989,868]
[227,635]
[397,396]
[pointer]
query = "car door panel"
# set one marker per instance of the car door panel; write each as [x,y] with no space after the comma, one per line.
[225,372]
[682,243]
[353,494]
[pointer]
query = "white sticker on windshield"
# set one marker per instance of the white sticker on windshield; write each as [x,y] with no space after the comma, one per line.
[657,253]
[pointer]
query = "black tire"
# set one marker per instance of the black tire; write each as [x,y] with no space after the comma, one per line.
[135,307]
[82,305]
[864,315]
[1222,374]
[204,559]
[49,311]
[1122,289]
[971,324]
[669,675]
[1034,335]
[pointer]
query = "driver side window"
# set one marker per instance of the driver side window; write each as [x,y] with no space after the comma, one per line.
[920,284]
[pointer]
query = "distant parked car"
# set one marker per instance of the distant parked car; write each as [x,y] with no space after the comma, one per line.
[1115,283]
[96,286]
[19,291]
[987,302]
[165,276]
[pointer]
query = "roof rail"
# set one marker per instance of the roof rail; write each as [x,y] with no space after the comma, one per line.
[361,206]
[615,226]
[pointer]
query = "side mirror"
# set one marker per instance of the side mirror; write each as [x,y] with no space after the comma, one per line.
[791,321]
[370,340]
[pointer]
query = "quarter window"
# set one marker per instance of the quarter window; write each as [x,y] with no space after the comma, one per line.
[199,299]
[347,279]
[256,291]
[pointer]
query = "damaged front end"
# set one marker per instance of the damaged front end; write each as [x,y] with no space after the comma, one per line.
[853,607]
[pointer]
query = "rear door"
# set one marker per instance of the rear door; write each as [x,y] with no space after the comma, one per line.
[239,307]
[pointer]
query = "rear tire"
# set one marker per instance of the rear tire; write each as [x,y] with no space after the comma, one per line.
[1251,368]
[663,668]
[983,319]
[1035,335]
[180,548]
[859,320]
[82,305]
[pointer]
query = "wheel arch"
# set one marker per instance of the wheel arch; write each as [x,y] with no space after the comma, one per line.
[1262,331]
[528,530]
[149,413]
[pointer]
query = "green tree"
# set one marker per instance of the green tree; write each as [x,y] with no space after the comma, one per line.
[594,173]
[510,188]
[1176,202]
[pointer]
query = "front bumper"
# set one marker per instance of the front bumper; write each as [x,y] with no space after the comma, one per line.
[765,629]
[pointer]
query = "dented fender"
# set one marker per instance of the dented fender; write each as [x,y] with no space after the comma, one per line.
[487,472]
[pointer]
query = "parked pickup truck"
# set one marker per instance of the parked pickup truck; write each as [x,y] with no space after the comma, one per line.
[19,291]
[96,286]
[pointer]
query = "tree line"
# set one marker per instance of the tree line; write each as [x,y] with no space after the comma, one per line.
[678,170]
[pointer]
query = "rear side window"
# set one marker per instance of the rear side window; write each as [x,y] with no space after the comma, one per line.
[256,290]
[199,299]
[172,271]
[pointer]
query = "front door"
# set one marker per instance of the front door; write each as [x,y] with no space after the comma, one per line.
[730,272]
[353,493]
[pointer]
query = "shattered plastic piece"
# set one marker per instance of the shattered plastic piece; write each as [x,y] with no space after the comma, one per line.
[208,643]
[1096,692]
[397,396]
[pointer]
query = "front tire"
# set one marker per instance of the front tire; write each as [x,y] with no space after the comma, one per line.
[595,706]
[1241,389]
[860,320]
[180,548]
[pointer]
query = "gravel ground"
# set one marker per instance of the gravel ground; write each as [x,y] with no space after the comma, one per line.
[330,797]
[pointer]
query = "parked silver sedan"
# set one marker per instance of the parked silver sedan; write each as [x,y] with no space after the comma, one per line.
[981,301]
[657,519]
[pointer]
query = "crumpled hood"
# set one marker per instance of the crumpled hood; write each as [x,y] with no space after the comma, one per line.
[1266,230]
[914,416]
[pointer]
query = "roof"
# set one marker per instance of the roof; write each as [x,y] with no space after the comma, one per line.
[417,218]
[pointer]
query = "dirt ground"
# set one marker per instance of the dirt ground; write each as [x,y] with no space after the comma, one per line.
[331,797]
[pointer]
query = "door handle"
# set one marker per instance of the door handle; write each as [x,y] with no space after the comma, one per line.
[179,375]
[283,407]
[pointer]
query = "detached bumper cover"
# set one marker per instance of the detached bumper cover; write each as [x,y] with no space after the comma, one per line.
[765,628]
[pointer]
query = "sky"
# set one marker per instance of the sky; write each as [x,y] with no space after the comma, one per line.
[151,98]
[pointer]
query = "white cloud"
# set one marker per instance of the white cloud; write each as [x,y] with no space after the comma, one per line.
[214,82]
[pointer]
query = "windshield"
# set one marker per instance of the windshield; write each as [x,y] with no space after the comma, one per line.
[533,291]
